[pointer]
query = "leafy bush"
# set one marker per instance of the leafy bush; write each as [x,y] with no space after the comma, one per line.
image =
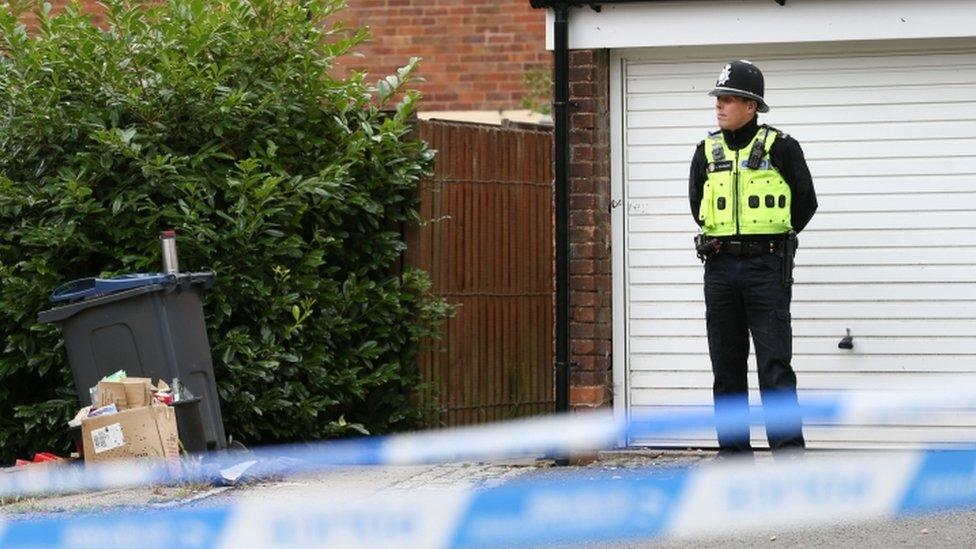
[538,85]
[224,120]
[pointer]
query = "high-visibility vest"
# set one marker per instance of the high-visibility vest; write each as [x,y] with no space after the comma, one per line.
[743,193]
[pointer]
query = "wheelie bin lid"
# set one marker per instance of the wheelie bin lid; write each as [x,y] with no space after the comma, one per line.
[83,293]
[84,288]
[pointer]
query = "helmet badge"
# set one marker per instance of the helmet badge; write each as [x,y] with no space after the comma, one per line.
[726,74]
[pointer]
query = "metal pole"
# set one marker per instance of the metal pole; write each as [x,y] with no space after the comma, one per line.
[561,119]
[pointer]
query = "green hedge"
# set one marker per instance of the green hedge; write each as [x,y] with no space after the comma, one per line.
[226,120]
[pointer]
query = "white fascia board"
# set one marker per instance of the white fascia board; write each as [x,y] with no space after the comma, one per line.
[712,22]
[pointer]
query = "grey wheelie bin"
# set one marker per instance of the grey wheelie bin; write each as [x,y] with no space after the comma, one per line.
[148,325]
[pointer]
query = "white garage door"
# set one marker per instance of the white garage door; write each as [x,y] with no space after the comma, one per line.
[889,131]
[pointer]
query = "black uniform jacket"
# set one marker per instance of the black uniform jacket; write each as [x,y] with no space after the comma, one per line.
[786,156]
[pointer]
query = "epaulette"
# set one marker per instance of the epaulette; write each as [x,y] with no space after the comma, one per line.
[779,133]
[714,133]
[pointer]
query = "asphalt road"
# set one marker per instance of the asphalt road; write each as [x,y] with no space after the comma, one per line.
[948,530]
[944,531]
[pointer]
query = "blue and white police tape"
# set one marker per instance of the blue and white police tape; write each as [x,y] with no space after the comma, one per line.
[710,500]
[551,435]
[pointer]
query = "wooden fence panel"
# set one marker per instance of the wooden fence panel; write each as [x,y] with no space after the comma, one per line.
[487,242]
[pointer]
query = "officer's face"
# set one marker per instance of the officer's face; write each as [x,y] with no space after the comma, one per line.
[733,112]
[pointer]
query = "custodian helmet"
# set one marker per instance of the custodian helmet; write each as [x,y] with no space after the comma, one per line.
[742,79]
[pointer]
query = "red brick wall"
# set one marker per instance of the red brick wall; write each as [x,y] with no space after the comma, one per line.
[474,51]
[590,260]
[90,6]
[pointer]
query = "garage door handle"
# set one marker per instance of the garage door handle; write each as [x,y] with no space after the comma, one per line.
[847,342]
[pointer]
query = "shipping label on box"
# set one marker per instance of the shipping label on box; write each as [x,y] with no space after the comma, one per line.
[107,438]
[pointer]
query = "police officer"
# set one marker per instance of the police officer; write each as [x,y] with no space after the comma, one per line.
[750,191]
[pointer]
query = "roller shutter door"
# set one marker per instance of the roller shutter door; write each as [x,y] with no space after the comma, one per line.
[889,131]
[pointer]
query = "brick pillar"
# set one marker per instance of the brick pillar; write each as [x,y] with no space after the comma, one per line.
[589,202]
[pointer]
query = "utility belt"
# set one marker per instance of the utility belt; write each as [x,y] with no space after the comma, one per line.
[749,248]
[784,247]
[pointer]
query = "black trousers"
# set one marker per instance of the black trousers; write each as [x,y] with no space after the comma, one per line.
[746,295]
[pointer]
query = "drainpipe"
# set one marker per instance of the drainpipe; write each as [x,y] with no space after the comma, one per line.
[561,203]
[561,120]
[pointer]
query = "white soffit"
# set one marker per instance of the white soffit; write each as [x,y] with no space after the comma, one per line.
[699,22]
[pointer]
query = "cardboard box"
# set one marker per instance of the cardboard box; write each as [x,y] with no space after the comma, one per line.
[149,431]
[131,392]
